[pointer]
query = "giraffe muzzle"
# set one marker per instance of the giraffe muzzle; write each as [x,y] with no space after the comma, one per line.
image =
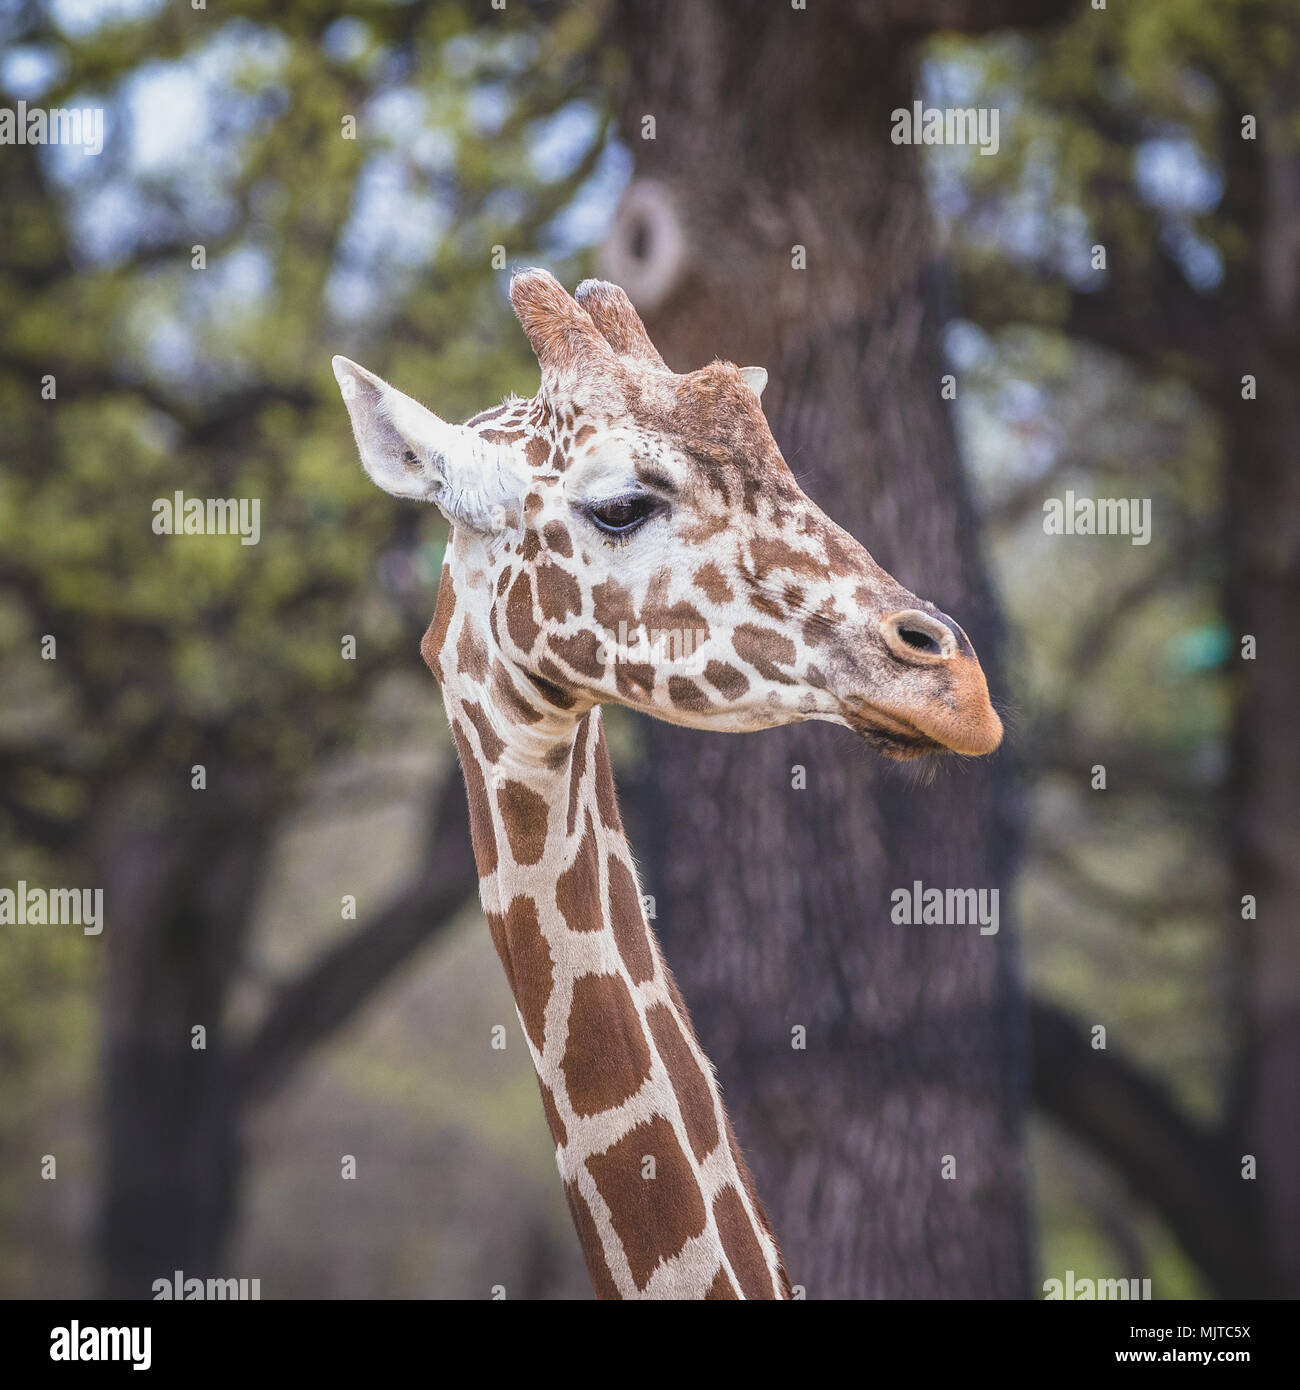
[935,698]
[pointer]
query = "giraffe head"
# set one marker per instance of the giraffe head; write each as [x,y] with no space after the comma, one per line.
[634,536]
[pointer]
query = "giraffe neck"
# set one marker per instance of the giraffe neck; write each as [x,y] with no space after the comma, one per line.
[662,1199]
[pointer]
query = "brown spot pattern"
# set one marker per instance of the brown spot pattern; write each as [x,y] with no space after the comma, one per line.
[727,679]
[554,1121]
[481,833]
[471,653]
[762,603]
[710,578]
[843,554]
[682,621]
[490,413]
[558,593]
[741,1244]
[524,814]
[747,1182]
[606,797]
[489,741]
[653,1218]
[763,647]
[628,922]
[635,681]
[722,1287]
[436,633]
[577,889]
[611,605]
[689,1082]
[580,651]
[768,553]
[527,961]
[504,689]
[577,766]
[705,528]
[685,694]
[557,537]
[602,1281]
[548,690]
[606,1058]
[520,623]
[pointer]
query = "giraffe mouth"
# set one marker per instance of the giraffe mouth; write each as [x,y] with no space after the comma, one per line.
[889,735]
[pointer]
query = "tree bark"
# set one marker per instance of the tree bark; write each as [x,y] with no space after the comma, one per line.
[1264,598]
[772,133]
[179,885]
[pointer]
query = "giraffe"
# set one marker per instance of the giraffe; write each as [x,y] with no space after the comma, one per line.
[633,536]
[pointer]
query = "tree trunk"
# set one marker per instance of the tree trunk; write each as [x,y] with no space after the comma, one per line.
[1256,332]
[1264,593]
[178,891]
[772,133]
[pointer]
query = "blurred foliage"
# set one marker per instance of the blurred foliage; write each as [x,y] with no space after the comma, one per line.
[1122,129]
[1123,891]
[216,381]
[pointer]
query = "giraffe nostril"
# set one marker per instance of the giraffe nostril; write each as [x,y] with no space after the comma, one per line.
[915,636]
[922,641]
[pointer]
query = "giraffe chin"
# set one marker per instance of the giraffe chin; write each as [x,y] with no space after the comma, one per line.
[894,743]
[895,737]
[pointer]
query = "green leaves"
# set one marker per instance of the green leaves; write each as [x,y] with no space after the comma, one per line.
[214,382]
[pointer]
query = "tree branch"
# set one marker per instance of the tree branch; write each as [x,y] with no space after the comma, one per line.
[1171,900]
[330,991]
[961,16]
[1186,1172]
[1156,322]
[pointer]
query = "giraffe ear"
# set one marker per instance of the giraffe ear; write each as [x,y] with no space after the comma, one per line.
[409,452]
[755,378]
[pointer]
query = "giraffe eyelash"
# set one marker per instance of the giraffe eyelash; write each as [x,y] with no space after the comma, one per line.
[642,505]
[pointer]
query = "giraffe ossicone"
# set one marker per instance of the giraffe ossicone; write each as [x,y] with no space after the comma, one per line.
[630,535]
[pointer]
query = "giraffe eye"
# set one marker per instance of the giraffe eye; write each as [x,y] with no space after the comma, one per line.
[620,516]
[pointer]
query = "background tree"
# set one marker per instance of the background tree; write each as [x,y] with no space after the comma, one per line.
[1169,141]
[1124,134]
[786,228]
